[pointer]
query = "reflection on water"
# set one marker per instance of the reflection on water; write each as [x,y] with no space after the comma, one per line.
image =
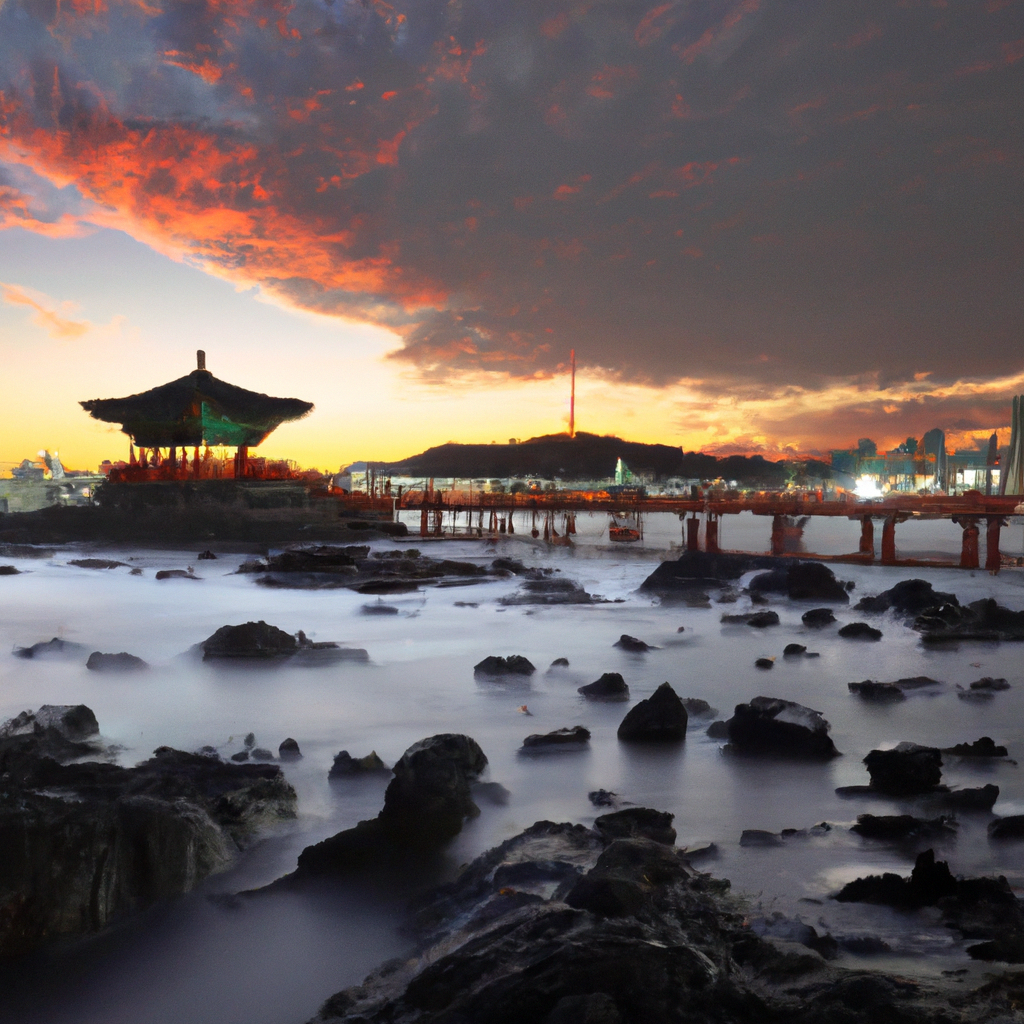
[274,959]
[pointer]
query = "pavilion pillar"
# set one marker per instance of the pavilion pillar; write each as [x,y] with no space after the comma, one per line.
[711,533]
[693,534]
[778,535]
[867,536]
[992,558]
[889,540]
[969,547]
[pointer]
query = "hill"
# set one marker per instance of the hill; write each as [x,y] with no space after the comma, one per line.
[584,457]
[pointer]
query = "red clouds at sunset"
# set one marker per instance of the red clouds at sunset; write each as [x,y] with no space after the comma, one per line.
[744,194]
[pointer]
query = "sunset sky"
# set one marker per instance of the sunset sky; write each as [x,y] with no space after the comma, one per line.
[764,225]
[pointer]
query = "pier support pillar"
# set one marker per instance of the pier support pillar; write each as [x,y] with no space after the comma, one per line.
[969,548]
[992,559]
[711,533]
[867,536]
[889,540]
[423,522]
[693,534]
[778,535]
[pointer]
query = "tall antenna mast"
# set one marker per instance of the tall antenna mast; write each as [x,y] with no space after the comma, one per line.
[572,395]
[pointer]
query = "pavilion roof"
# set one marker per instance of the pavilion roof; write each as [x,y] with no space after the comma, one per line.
[197,409]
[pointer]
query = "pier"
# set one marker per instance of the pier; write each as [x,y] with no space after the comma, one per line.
[488,514]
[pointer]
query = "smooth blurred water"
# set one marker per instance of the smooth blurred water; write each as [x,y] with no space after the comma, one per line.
[273,960]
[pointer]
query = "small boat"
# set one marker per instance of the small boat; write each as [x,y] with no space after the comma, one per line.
[623,533]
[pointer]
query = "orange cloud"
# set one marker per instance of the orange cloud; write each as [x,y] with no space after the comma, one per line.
[49,319]
[688,54]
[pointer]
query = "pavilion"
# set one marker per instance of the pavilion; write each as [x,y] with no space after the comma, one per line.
[193,411]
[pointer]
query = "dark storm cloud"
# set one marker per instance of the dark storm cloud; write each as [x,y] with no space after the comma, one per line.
[752,193]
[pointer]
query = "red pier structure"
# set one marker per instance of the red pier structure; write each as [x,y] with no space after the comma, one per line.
[967,511]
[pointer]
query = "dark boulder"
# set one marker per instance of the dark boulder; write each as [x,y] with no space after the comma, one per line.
[123,662]
[55,648]
[632,644]
[718,730]
[988,683]
[559,663]
[637,822]
[603,798]
[425,805]
[902,827]
[701,570]
[242,755]
[9,570]
[877,692]
[905,769]
[378,609]
[908,597]
[802,581]
[760,620]
[289,750]
[85,843]
[816,618]
[983,620]
[576,736]
[764,663]
[975,798]
[97,563]
[250,640]
[860,631]
[176,574]
[206,556]
[1010,827]
[929,882]
[768,725]
[984,747]
[345,765]
[759,837]
[660,718]
[794,651]
[611,686]
[548,591]
[261,754]
[511,565]
[513,665]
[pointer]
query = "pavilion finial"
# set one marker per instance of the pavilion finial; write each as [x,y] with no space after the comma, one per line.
[200,359]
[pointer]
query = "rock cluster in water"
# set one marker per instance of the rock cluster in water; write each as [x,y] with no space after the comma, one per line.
[87,842]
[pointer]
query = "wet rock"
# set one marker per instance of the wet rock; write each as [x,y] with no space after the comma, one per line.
[978,798]
[573,737]
[984,747]
[611,686]
[631,644]
[560,663]
[345,765]
[697,707]
[758,837]
[9,570]
[794,651]
[864,945]
[55,648]
[877,692]
[262,754]
[764,663]
[984,620]
[905,769]
[901,827]
[513,665]
[206,556]
[760,620]
[512,565]
[660,718]
[425,805]
[88,842]
[703,570]
[817,618]
[1010,827]
[929,882]
[768,725]
[860,631]
[908,597]
[289,750]
[176,574]
[242,755]
[255,640]
[491,792]
[378,609]
[637,822]
[97,563]
[802,581]
[988,683]
[250,740]
[916,682]
[548,591]
[718,730]
[123,662]
[603,798]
